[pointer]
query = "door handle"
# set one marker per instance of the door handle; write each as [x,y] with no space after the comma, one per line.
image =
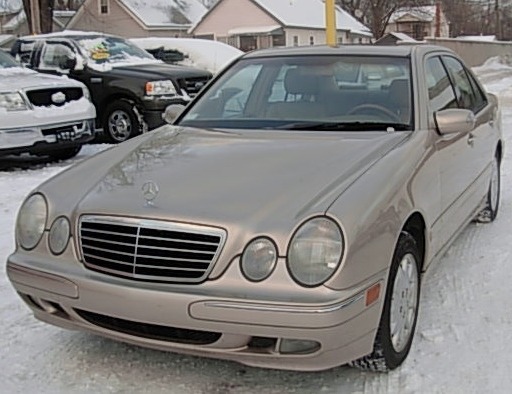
[471,140]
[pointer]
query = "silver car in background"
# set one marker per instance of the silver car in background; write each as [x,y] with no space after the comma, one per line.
[283,221]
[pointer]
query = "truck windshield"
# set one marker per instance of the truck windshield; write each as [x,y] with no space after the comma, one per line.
[105,49]
[6,61]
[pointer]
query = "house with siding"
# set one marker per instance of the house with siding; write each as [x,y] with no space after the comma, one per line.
[12,18]
[254,24]
[420,22]
[138,18]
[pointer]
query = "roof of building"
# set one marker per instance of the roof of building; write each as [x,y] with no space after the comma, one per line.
[424,13]
[396,36]
[166,13]
[306,14]
[310,13]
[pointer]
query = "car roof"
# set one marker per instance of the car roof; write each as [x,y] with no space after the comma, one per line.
[355,50]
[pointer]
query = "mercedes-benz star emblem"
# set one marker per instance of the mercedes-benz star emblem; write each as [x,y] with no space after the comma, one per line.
[150,191]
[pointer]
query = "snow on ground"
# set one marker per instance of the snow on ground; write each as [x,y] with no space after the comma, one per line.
[463,342]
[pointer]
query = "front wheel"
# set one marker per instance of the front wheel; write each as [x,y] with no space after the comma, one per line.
[121,122]
[400,313]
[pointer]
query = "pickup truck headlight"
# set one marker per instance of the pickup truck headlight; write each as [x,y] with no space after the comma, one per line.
[12,102]
[315,251]
[31,221]
[159,88]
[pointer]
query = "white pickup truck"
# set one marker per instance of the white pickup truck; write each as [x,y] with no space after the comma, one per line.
[40,114]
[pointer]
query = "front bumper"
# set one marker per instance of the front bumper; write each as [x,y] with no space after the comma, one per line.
[196,320]
[154,108]
[47,138]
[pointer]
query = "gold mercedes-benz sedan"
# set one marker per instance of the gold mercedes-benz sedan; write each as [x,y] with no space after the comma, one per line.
[283,220]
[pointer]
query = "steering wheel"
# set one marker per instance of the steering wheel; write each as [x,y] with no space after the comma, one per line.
[375,108]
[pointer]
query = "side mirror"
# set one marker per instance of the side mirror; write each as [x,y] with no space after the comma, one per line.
[450,121]
[172,112]
[79,63]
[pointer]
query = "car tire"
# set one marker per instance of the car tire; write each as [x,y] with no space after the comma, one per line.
[65,154]
[400,312]
[492,204]
[121,122]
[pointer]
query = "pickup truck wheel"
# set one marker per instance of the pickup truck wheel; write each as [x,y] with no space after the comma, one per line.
[121,122]
[65,154]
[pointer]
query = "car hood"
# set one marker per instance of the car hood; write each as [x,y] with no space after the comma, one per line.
[19,78]
[154,71]
[268,180]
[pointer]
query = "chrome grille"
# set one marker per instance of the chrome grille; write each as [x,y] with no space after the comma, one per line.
[193,85]
[149,250]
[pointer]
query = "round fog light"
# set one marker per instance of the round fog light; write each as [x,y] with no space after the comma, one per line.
[59,235]
[259,259]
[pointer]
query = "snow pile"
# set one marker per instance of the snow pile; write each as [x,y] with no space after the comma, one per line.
[496,75]
[204,54]
[166,12]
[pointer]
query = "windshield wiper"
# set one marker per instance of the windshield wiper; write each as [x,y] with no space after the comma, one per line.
[345,126]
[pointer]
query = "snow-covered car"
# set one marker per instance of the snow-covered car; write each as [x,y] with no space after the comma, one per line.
[42,114]
[282,221]
[206,54]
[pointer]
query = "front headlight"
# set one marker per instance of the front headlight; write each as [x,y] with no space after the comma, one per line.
[259,259]
[59,235]
[31,221]
[158,88]
[315,251]
[12,102]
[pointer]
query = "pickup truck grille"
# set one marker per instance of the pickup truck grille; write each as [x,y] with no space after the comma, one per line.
[43,97]
[193,85]
[149,250]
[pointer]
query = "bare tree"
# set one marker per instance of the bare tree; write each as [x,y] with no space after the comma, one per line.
[377,13]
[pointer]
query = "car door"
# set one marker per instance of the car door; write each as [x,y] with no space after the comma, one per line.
[461,157]
[452,155]
[479,151]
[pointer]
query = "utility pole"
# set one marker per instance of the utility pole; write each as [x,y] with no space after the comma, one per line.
[36,17]
[498,20]
[330,23]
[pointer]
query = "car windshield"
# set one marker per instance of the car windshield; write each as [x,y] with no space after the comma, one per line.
[6,61]
[105,49]
[309,93]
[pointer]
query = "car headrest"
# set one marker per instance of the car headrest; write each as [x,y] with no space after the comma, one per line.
[296,81]
[400,92]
